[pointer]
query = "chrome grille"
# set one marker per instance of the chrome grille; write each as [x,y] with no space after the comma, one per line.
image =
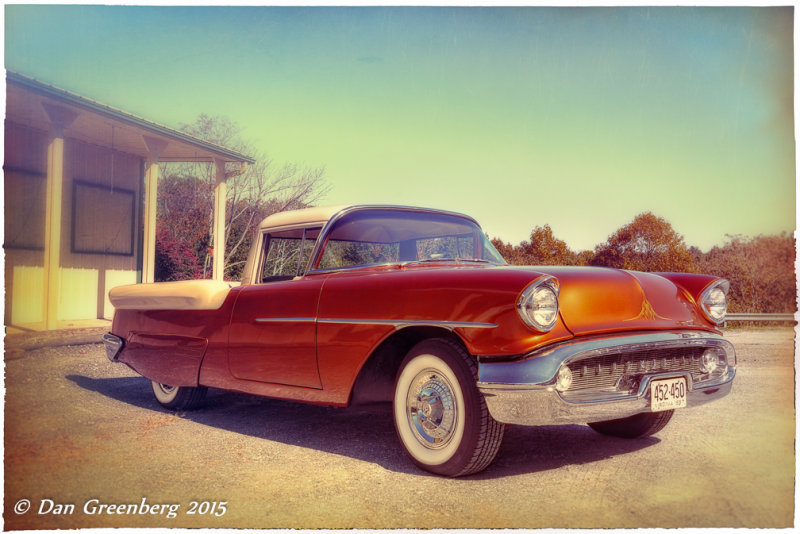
[603,372]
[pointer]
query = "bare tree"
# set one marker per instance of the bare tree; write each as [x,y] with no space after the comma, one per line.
[262,189]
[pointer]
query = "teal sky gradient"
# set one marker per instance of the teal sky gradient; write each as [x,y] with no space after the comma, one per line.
[579,118]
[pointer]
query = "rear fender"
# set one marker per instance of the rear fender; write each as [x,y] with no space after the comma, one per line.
[165,358]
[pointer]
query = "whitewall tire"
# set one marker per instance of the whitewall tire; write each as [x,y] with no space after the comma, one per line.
[178,398]
[439,414]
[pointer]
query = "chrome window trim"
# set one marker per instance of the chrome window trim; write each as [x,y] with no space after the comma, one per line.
[401,264]
[323,234]
[353,267]
[258,264]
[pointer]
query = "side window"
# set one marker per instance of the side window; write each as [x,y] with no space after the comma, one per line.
[286,253]
[281,258]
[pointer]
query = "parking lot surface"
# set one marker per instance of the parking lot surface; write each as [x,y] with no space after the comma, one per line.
[86,445]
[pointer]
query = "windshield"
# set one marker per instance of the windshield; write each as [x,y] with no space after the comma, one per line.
[380,236]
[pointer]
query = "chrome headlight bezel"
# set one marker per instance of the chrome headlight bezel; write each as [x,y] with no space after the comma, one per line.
[538,306]
[711,304]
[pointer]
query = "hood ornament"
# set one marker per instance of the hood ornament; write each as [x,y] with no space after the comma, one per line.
[648,313]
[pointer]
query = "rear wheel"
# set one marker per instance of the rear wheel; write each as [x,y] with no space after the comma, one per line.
[178,397]
[637,426]
[440,416]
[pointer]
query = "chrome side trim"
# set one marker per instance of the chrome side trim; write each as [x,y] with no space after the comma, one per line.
[285,320]
[113,346]
[397,324]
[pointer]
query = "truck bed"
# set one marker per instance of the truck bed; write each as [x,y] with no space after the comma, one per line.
[182,295]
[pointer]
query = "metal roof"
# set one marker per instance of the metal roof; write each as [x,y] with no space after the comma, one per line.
[105,125]
[322,214]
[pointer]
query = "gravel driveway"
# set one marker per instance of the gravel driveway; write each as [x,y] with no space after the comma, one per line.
[86,445]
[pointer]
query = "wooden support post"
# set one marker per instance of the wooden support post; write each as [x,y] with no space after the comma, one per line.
[60,118]
[220,189]
[155,147]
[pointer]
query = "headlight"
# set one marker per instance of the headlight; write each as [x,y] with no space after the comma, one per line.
[714,301]
[538,304]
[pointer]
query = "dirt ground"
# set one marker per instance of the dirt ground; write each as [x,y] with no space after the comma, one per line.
[84,436]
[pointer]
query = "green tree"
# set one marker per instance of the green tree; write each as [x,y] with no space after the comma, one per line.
[648,243]
[183,226]
[761,272]
[175,259]
[545,249]
[584,257]
[506,250]
[542,249]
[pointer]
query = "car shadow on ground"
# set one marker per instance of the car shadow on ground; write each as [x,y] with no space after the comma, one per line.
[367,433]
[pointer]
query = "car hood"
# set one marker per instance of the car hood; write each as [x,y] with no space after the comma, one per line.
[592,300]
[597,299]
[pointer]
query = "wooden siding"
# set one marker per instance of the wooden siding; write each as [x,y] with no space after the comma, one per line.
[100,238]
[24,179]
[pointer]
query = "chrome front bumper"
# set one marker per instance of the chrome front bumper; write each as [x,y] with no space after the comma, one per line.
[524,392]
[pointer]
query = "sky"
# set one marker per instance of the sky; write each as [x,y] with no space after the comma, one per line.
[580,118]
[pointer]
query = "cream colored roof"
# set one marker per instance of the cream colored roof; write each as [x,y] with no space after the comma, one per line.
[302,217]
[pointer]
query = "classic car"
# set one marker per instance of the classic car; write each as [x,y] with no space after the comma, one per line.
[360,304]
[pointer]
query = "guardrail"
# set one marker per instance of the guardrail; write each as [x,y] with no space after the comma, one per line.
[760,317]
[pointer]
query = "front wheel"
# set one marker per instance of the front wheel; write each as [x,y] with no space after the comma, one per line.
[440,416]
[637,426]
[178,397]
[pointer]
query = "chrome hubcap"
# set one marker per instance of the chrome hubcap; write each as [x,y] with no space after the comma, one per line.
[166,389]
[431,409]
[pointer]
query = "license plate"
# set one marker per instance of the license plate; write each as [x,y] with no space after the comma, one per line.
[667,394]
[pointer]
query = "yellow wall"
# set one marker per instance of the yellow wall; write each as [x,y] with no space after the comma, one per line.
[99,248]
[100,229]
[26,294]
[24,175]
